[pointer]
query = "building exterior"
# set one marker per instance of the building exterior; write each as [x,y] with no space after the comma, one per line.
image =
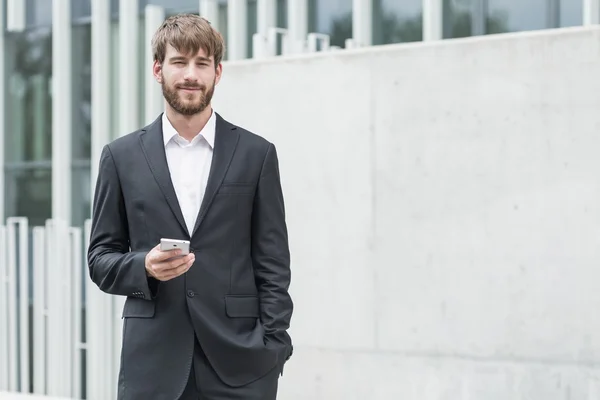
[50,49]
[76,74]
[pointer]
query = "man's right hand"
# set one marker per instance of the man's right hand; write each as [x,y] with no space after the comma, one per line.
[162,266]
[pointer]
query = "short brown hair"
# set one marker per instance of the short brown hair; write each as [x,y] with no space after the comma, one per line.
[188,33]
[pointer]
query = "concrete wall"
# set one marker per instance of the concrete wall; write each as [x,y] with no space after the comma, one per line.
[444,215]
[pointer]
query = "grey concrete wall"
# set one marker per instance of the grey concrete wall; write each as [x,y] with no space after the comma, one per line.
[444,213]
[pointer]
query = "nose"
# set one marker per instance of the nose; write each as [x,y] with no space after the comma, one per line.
[190,73]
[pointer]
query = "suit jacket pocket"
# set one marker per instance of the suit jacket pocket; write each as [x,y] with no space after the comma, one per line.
[242,306]
[138,308]
[237,188]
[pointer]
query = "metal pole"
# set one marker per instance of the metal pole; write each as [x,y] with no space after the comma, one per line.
[362,22]
[154,105]
[237,29]
[433,22]
[61,110]
[591,12]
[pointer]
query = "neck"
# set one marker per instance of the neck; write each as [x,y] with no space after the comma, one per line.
[188,126]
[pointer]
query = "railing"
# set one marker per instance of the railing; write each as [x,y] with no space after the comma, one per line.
[265,46]
[59,334]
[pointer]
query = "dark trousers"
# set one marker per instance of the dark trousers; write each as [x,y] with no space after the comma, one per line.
[204,384]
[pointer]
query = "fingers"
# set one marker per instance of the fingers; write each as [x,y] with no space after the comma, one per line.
[180,270]
[158,256]
[175,263]
[173,268]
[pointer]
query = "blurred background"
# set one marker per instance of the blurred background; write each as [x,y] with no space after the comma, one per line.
[439,160]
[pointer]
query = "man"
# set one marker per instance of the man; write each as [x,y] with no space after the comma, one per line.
[212,324]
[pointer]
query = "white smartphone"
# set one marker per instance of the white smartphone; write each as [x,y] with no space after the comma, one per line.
[170,244]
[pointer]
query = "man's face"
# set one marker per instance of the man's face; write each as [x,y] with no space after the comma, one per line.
[188,81]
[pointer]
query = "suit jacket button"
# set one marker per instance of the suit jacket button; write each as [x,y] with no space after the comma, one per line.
[191,293]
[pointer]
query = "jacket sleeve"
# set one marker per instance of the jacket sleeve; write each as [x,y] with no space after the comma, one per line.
[112,266]
[271,255]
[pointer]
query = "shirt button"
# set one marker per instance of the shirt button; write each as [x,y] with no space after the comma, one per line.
[191,293]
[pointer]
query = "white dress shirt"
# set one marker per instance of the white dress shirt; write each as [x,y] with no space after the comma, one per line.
[189,164]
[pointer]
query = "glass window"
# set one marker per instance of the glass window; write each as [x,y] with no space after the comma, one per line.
[516,15]
[28,194]
[81,9]
[476,17]
[82,92]
[397,21]
[174,6]
[81,193]
[29,109]
[252,26]
[114,82]
[28,132]
[82,124]
[222,24]
[332,17]
[38,13]
[281,13]
[571,13]
[464,18]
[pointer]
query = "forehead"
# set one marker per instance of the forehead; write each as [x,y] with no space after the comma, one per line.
[173,52]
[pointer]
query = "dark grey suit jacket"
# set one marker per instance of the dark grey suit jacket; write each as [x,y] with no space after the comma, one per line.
[235,296]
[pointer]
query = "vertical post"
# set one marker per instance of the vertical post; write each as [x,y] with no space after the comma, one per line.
[297,25]
[101,66]
[24,295]
[433,19]
[61,110]
[11,276]
[76,285]
[591,12]
[39,310]
[155,16]
[267,16]
[96,354]
[237,29]
[479,12]
[129,25]
[2,122]
[552,14]
[209,9]
[362,22]
[4,320]
[16,15]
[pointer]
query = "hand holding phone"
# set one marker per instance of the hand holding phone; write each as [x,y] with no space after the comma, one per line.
[171,262]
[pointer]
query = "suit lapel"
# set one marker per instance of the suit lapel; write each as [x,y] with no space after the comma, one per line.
[151,139]
[226,138]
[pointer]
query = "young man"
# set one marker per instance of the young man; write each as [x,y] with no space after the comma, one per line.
[211,324]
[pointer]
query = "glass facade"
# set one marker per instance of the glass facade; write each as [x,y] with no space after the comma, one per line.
[28,74]
[28,125]
[331,17]
[397,21]
[82,123]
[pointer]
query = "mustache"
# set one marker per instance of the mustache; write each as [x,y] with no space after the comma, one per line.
[197,87]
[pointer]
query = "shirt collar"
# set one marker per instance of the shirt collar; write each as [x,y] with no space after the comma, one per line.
[208,132]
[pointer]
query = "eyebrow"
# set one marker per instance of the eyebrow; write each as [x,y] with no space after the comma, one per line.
[181,58]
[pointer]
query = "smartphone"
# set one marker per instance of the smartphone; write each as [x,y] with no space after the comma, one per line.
[170,244]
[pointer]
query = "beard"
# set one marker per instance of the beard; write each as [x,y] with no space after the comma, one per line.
[190,107]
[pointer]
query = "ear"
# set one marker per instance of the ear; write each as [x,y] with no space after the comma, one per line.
[218,73]
[157,71]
